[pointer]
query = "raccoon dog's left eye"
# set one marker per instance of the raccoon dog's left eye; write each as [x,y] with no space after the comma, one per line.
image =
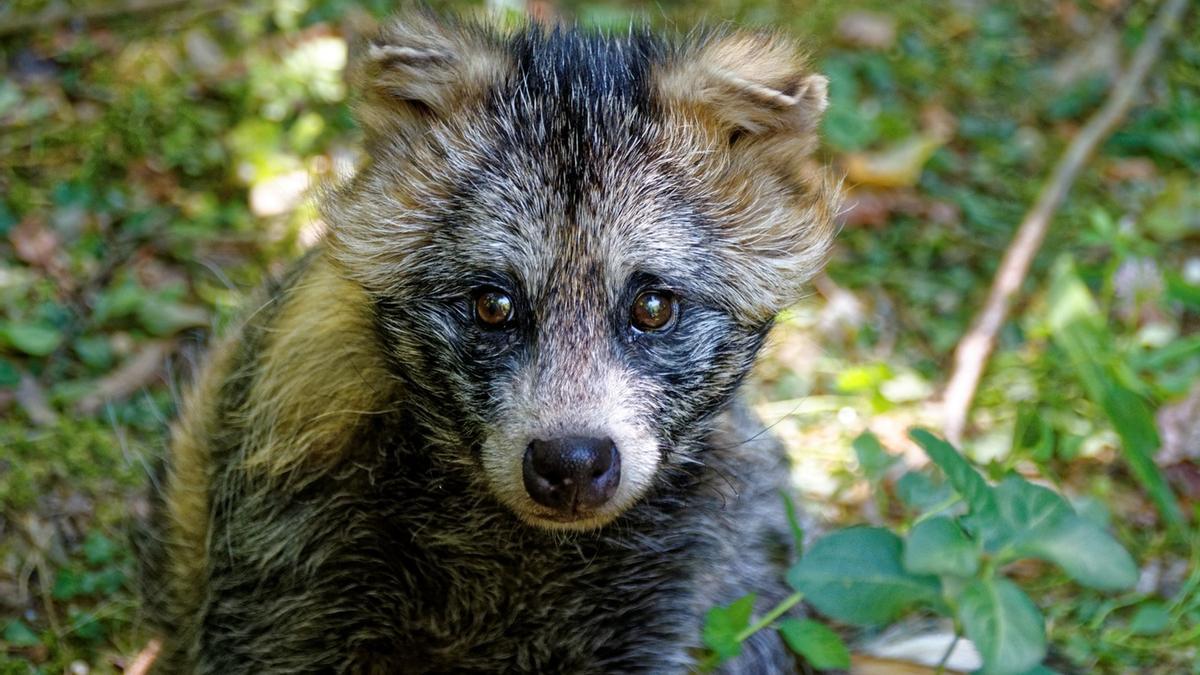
[653,311]
[493,307]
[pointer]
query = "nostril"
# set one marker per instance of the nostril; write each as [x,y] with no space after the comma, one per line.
[572,473]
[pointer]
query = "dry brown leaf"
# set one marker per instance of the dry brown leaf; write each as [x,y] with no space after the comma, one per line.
[870,30]
[875,207]
[897,166]
[34,243]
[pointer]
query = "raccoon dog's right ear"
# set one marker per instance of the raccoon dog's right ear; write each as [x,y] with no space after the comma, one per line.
[418,69]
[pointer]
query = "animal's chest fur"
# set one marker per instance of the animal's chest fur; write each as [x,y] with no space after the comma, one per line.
[486,592]
[561,608]
[409,565]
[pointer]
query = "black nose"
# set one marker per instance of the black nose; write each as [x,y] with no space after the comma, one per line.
[572,473]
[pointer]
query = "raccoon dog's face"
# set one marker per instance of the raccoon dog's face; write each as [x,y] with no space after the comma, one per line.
[576,244]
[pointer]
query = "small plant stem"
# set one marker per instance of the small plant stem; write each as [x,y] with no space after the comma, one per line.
[941,666]
[770,617]
[971,355]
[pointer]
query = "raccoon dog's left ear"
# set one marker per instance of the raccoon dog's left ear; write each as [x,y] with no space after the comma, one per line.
[420,68]
[750,83]
[752,100]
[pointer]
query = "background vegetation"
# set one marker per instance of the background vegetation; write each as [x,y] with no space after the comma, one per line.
[153,166]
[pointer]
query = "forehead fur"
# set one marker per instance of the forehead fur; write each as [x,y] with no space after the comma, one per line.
[519,148]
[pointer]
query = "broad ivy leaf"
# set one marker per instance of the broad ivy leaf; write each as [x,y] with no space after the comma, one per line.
[821,647]
[1028,509]
[1004,624]
[1084,551]
[722,625]
[918,491]
[855,575]
[980,497]
[938,546]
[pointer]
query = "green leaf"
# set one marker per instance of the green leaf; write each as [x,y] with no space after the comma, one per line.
[855,575]
[95,351]
[821,647]
[118,301]
[167,318]
[1032,436]
[722,625]
[1027,508]
[980,498]
[33,339]
[9,375]
[1084,551]
[67,584]
[1077,327]
[938,546]
[1048,529]
[17,634]
[1004,624]
[1152,618]
[98,549]
[872,458]
[920,492]
[793,518]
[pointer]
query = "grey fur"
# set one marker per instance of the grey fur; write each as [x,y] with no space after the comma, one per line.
[571,170]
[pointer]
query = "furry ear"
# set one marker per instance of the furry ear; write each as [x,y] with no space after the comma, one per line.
[417,69]
[748,83]
[746,107]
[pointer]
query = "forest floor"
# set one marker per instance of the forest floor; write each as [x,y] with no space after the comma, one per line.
[153,169]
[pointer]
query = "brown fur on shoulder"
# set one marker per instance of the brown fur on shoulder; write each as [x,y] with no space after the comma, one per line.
[320,373]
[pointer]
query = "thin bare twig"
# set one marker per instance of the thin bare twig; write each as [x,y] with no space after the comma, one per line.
[971,355]
[32,398]
[139,371]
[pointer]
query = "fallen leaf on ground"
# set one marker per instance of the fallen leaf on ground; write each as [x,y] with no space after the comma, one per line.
[875,207]
[34,243]
[896,166]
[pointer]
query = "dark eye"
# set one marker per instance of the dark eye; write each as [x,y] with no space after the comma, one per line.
[653,310]
[493,308]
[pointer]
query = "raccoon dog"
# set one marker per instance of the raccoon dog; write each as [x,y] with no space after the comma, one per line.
[490,423]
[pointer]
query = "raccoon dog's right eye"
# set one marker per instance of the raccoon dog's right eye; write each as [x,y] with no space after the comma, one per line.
[493,308]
